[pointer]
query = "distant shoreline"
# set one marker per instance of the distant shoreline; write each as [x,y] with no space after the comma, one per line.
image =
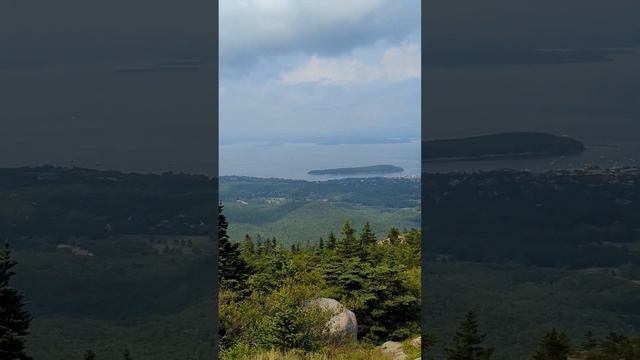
[515,156]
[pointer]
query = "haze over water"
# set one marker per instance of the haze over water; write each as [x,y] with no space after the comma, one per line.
[294,160]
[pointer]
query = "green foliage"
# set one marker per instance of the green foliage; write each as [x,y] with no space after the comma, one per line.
[367,236]
[348,246]
[333,241]
[616,347]
[14,319]
[232,269]
[526,144]
[289,325]
[467,342]
[568,220]
[384,294]
[247,247]
[553,346]
[590,342]
[519,303]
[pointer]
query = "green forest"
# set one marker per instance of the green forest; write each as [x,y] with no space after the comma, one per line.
[109,260]
[264,287]
[502,145]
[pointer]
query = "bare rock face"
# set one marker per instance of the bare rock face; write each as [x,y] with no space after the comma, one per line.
[394,349]
[343,323]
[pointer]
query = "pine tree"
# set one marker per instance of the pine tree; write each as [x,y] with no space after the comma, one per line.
[283,329]
[332,241]
[429,340]
[467,342]
[247,248]
[367,237]
[553,346]
[590,342]
[14,320]
[259,245]
[321,243]
[232,269]
[348,246]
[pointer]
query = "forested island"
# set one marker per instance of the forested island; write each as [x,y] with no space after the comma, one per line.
[499,146]
[375,169]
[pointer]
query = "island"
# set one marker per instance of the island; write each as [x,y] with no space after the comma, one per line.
[502,145]
[375,169]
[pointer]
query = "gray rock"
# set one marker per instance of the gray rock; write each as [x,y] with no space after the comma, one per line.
[343,323]
[394,349]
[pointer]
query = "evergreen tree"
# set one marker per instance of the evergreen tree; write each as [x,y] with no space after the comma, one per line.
[467,342]
[283,329]
[590,342]
[89,355]
[332,241]
[232,269]
[553,346]
[367,237]
[268,246]
[14,320]
[348,246]
[321,243]
[247,248]
[429,341]
[259,245]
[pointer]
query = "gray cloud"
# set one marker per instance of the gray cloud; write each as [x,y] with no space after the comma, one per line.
[254,29]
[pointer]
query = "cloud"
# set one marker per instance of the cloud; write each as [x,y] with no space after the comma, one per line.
[396,64]
[251,30]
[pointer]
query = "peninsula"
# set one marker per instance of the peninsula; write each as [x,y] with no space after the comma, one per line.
[498,146]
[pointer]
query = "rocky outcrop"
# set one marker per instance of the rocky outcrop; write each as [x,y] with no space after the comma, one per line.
[416,342]
[393,349]
[343,323]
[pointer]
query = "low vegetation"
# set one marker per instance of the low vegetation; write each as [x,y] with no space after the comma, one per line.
[264,288]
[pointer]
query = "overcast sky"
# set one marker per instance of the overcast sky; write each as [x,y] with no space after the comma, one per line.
[311,70]
[303,69]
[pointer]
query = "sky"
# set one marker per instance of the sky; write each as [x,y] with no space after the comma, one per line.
[303,70]
[66,100]
[567,67]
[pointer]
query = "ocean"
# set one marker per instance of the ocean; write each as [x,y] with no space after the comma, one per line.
[294,160]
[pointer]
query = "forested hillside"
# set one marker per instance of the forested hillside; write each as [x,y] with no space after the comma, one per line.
[528,252]
[265,288]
